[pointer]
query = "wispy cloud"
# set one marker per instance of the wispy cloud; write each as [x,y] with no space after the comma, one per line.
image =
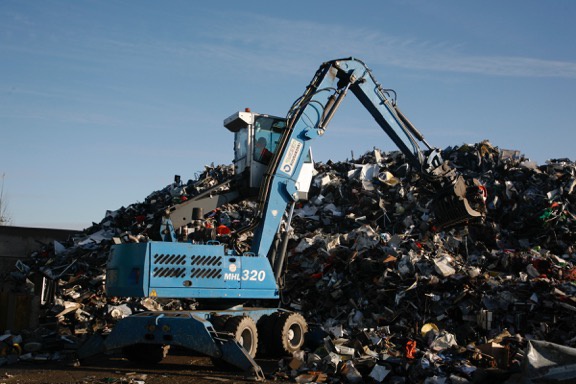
[486,65]
[264,43]
[285,45]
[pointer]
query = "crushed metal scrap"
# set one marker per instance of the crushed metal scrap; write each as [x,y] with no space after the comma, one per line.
[390,298]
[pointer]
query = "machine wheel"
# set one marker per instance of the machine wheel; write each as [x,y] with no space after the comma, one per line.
[288,333]
[146,353]
[218,322]
[265,325]
[245,332]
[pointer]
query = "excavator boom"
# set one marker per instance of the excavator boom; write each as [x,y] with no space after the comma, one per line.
[308,119]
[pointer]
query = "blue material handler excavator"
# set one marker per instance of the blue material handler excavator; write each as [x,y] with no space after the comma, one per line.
[272,167]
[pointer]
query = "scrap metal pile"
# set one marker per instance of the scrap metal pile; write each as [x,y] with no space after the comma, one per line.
[390,297]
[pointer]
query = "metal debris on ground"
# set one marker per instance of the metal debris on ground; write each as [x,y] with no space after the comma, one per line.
[390,297]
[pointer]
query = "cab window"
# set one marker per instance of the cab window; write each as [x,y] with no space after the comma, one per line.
[267,132]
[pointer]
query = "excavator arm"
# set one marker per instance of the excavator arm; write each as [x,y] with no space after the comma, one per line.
[308,119]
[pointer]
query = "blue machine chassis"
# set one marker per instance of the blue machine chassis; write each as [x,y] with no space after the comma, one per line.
[192,330]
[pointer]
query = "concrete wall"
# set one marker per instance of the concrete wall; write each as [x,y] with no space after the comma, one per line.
[19,242]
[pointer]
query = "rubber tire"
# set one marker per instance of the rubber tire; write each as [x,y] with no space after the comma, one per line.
[265,327]
[218,322]
[146,353]
[288,333]
[245,332]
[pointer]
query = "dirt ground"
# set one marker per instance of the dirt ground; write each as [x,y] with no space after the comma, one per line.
[174,369]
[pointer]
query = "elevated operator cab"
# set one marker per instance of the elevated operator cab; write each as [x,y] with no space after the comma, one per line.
[256,139]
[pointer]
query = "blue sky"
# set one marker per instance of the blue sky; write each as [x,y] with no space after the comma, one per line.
[102,102]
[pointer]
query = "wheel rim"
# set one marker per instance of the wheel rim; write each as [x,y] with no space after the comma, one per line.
[295,335]
[246,339]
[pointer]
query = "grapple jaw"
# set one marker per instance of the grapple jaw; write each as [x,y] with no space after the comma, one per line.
[460,202]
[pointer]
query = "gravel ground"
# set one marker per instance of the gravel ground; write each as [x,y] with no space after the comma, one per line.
[174,369]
